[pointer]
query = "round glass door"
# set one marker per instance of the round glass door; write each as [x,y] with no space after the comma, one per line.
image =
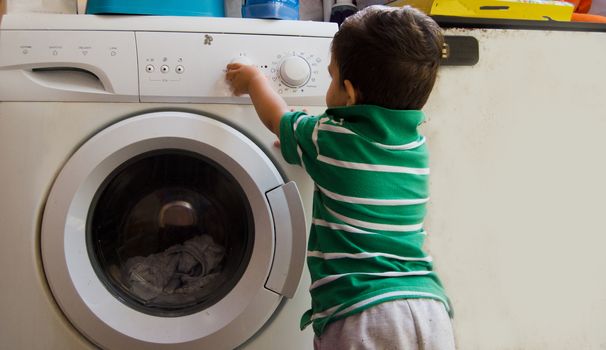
[171,229]
[170,232]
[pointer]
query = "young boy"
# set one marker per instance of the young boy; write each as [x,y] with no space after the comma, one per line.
[372,284]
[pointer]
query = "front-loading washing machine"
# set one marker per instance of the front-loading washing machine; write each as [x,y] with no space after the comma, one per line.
[142,205]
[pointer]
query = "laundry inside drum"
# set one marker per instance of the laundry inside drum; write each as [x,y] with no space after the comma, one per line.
[170,232]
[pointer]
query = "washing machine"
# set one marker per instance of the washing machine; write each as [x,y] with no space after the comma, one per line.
[142,205]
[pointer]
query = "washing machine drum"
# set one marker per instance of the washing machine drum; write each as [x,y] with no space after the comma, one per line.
[170,233]
[171,229]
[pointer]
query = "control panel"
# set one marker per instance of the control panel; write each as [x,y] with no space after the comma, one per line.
[155,66]
[68,66]
[191,67]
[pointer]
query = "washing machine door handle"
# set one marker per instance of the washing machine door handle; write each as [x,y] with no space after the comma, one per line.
[290,239]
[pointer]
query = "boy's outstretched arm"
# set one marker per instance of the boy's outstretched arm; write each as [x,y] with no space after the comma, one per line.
[246,79]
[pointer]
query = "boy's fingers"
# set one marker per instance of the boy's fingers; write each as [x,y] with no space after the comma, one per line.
[236,90]
[233,65]
[230,76]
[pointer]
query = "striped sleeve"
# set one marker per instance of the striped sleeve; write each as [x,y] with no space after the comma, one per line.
[296,130]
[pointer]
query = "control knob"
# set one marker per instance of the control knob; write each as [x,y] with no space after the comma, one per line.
[294,71]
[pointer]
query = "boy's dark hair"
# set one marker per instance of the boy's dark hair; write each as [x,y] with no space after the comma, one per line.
[390,55]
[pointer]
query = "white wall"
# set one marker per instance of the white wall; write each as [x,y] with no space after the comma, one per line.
[516,219]
[50,6]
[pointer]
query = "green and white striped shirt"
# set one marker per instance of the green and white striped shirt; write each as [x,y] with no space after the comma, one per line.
[370,168]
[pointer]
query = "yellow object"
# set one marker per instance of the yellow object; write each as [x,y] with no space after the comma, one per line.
[510,9]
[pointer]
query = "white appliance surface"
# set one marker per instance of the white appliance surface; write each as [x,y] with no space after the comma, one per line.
[79,95]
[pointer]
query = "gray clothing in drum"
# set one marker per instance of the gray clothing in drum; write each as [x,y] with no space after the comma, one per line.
[176,274]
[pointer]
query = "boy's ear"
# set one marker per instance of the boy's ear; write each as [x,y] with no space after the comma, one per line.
[352,97]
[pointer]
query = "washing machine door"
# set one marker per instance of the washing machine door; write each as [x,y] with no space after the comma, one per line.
[173,230]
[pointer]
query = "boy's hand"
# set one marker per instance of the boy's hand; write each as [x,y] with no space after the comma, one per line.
[240,77]
[247,79]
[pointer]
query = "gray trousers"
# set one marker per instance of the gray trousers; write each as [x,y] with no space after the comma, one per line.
[405,324]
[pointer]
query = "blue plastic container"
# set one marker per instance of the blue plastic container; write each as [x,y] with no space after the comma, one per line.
[274,9]
[209,8]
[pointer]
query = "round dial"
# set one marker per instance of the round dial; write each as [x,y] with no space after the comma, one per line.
[294,71]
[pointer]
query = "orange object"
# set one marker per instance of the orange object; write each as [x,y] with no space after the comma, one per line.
[581,7]
[585,17]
